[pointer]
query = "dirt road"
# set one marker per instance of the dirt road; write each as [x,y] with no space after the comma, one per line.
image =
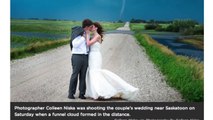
[45,77]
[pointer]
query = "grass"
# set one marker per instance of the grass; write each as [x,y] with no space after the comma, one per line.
[137,26]
[26,40]
[196,43]
[44,26]
[141,26]
[183,73]
[27,46]
[111,26]
[55,27]
[36,47]
[164,25]
[195,40]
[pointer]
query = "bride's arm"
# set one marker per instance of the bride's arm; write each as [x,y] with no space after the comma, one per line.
[94,39]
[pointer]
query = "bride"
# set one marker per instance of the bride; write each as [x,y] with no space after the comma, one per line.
[103,84]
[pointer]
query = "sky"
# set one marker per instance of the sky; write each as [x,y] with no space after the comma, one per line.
[109,10]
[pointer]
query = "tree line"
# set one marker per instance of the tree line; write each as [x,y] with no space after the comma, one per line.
[185,26]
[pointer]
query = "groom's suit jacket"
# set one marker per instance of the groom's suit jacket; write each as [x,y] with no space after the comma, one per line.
[76,31]
[80,46]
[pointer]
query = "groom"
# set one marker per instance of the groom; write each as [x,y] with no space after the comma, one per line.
[79,59]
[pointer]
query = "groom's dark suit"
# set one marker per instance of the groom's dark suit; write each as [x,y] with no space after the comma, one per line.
[79,62]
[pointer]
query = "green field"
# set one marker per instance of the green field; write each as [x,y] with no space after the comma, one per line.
[141,26]
[55,27]
[23,46]
[45,26]
[137,26]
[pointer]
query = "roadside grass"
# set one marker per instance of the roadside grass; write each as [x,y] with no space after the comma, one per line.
[27,40]
[183,73]
[36,47]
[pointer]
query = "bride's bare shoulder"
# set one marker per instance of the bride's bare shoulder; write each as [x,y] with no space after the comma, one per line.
[98,37]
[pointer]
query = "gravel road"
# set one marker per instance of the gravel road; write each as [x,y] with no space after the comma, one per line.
[45,76]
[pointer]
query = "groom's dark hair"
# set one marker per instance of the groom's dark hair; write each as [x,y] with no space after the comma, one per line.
[87,23]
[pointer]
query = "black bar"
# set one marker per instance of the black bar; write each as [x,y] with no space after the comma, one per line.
[101,110]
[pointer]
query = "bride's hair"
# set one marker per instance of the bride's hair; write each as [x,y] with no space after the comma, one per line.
[99,30]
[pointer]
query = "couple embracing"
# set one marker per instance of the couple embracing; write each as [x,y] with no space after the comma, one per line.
[94,82]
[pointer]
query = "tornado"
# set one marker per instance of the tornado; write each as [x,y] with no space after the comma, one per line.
[122,8]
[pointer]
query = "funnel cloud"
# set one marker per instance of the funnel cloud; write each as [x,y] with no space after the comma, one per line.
[122,8]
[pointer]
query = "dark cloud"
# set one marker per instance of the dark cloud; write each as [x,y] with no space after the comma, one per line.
[108,10]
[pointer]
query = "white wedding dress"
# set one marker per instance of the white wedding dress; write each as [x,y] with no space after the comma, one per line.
[102,83]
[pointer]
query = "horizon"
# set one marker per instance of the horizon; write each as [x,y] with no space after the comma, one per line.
[109,10]
[53,19]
